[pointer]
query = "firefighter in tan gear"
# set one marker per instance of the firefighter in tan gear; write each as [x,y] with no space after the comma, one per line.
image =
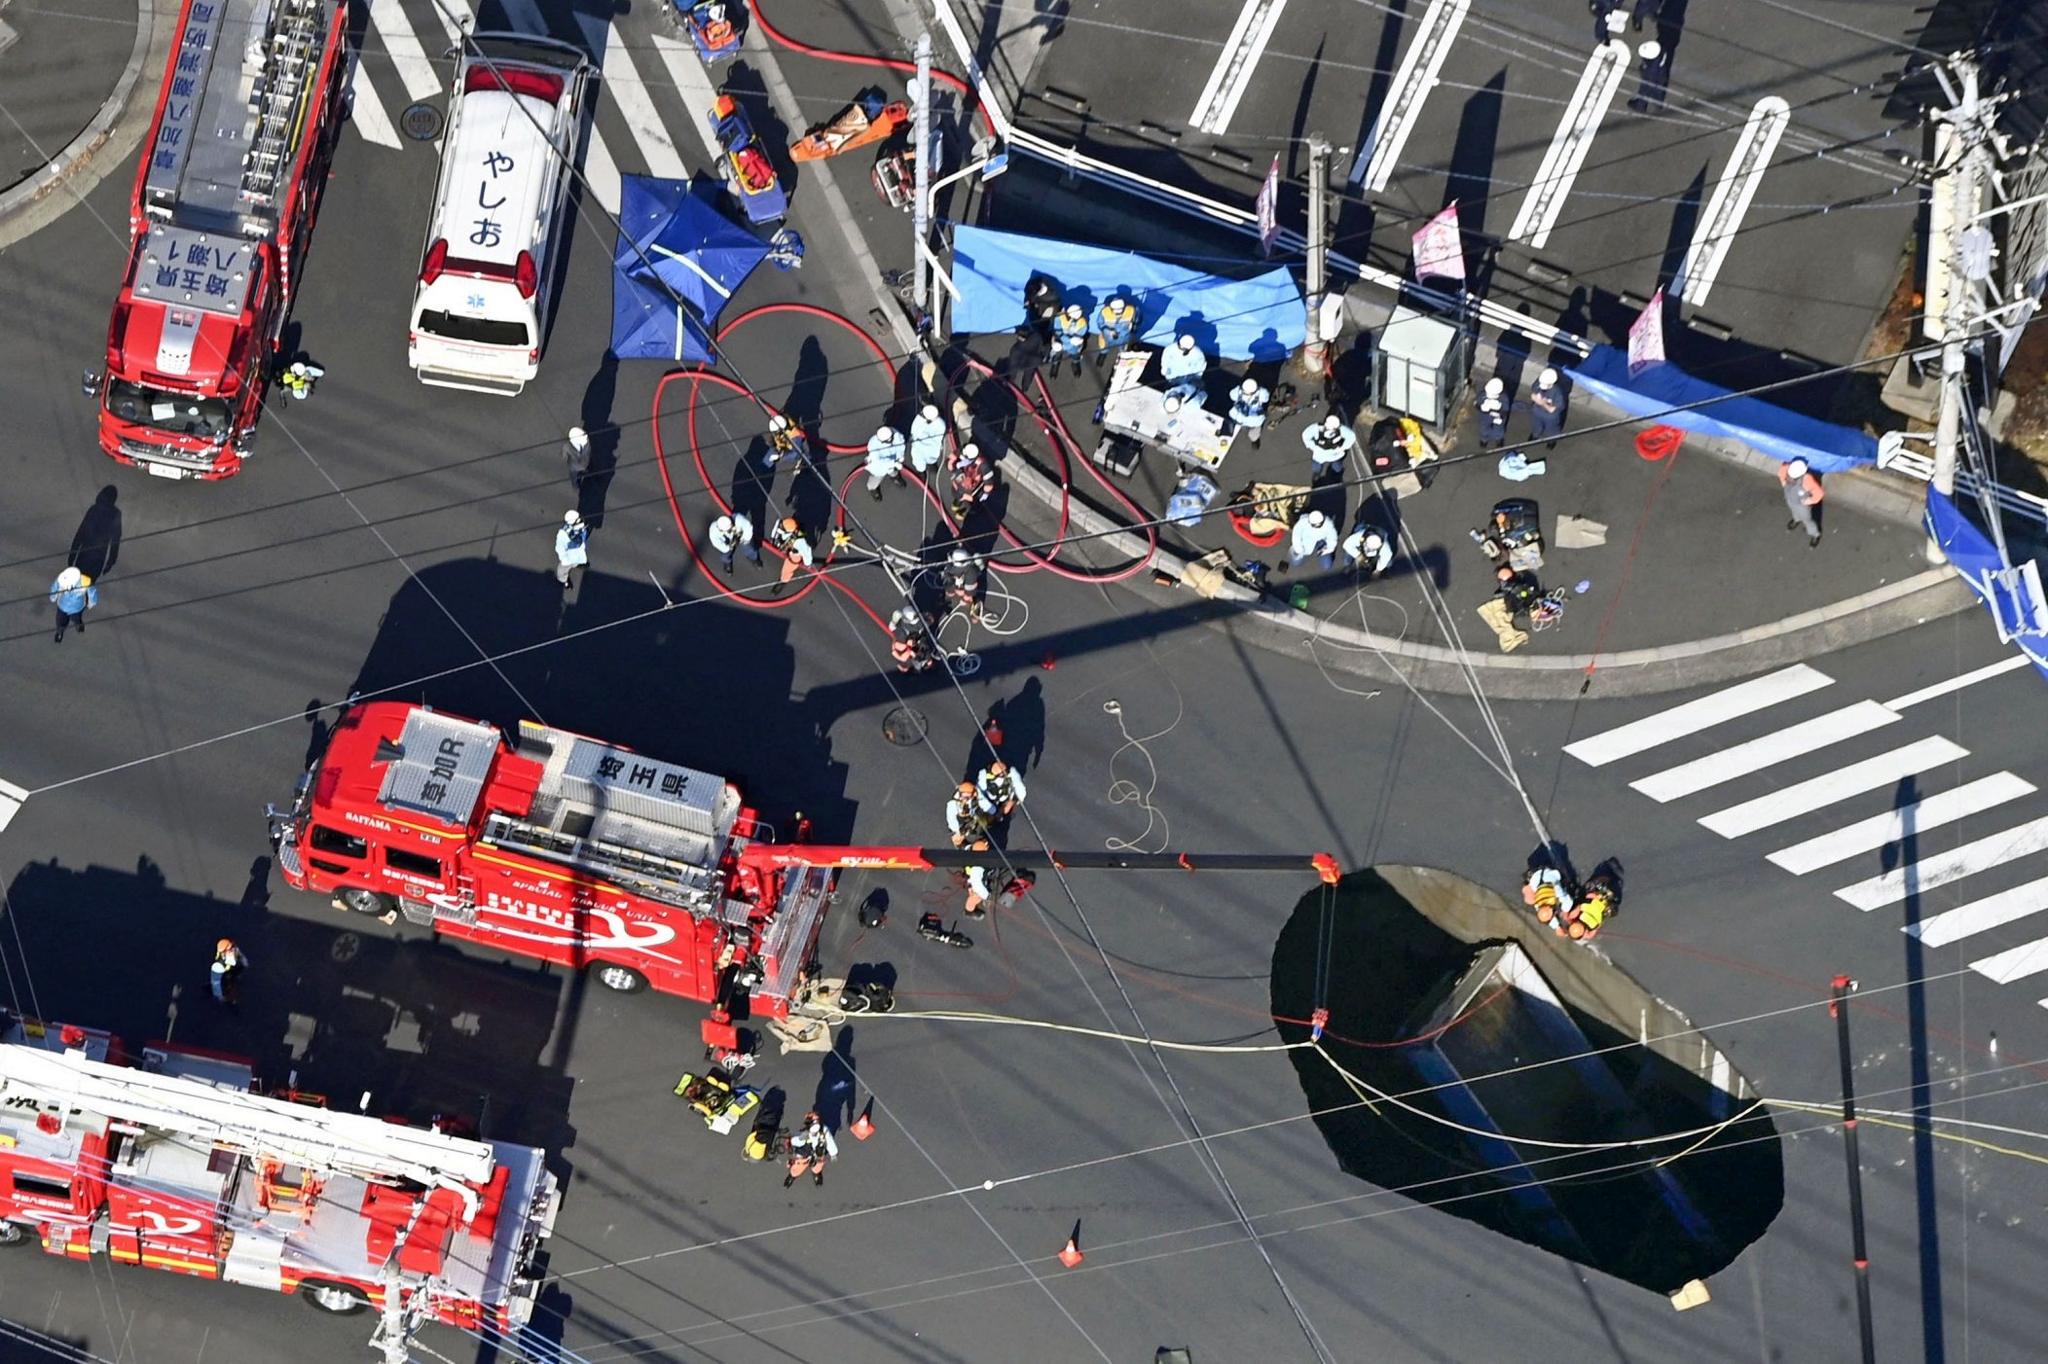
[787,539]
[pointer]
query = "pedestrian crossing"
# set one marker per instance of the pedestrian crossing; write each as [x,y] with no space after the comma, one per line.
[652,93]
[1763,733]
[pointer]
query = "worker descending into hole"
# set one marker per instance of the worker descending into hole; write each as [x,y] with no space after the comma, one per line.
[1248,408]
[885,459]
[927,439]
[811,1149]
[1001,788]
[1116,322]
[225,975]
[1546,892]
[978,879]
[1328,442]
[966,821]
[965,580]
[787,539]
[1184,366]
[1070,336]
[910,642]
[785,438]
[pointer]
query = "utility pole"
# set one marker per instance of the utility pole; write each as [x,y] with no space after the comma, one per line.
[1969,138]
[921,153]
[1838,1005]
[1315,352]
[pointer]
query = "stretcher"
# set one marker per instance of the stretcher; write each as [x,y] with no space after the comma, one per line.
[866,120]
[1197,438]
[711,28]
[1263,513]
[745,167]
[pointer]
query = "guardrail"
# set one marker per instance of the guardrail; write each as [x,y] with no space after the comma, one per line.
[1894,457]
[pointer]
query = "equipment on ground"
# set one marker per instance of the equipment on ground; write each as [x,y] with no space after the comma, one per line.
[712,25]
[895,178]
[254,95]
[933,929]
[744,165]
[552,845]
[175,1160]
[867,120]
[718,1098]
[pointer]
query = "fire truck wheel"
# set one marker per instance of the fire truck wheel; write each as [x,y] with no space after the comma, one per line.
[612,976]
[338,1298]
[367,901]
[13,1234]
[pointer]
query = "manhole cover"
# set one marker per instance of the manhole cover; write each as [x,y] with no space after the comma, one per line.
[422,122]
[904,727]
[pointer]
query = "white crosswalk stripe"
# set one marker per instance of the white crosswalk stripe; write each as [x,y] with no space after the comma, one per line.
[395,32]
[1943,867]
[1754,756]
[11,799]
[1694,716]
[1817,793]
[366,111]
[622,82]
[1930,812]
[1887,832]
[692,84]
[601,173]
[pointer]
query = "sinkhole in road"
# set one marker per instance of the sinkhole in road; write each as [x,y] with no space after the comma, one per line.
[1502,1037]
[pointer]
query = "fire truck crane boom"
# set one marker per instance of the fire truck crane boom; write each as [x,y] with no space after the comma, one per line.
[253,1124]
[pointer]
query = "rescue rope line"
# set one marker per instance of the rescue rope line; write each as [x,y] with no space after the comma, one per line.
[1124,791]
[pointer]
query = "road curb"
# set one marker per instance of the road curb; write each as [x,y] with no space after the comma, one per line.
[1332,644]
[18,216]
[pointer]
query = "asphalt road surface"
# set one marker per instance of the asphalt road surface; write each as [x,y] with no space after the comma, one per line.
[386,534]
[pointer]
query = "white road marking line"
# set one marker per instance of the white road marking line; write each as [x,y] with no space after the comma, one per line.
[1733,191]
[1989,670]
[622,82]
[12,798]
[1979,916]
[692,85]
[1868,835]
[1569,145]
[1952,865]
[1235,65]
[1756,754]
[454,17]
[1396,116]
[1805,797]
[1694,716]
[601,173]
[366,111]
[414,70]
[2014,963]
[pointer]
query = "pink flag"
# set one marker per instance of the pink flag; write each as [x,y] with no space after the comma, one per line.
[1646,337]
[1438,250]
[1269,207]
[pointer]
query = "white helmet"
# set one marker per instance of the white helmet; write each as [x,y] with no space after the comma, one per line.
[1074,310]
[929,413]
[1548,378]
[1248,387]
[960,554]
[572,517]
[1373,540]
[1315,518]
[1496,387]
[1651,50]
[578,437]
[778,422]
[883,432]
[970,451]
[1187,342]
[1796,467]
[907,614]
[1333,423]
[1172,403]
[70,578]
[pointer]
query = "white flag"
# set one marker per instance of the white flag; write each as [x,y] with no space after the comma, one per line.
[1269,207]
[1438,250]
[1646,337]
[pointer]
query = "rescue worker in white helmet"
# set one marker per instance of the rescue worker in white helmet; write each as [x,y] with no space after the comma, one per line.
[1070,336]
[965,580]
[1001,789]
[910,642]
[966,821]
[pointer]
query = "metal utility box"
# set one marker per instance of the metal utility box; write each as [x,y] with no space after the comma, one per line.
[1418,366]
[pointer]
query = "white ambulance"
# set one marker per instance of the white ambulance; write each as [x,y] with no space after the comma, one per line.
[515,120]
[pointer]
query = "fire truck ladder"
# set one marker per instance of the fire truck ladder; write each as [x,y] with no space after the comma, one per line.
[295,42]
[252,1124]
[667,879]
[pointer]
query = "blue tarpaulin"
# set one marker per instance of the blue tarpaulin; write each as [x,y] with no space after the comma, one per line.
[674,243]
[2012,599]
[1783,435]
[1237,319]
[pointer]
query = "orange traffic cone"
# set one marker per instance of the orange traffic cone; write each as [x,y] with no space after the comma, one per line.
[1070,1254]
[864,1125]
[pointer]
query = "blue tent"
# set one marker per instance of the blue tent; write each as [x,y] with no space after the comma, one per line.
[674,243]
[1239,319]
[2012,596]
[1712,410]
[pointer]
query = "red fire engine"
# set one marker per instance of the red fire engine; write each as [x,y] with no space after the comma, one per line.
[552,845]
[175,1162]
[245,125]
[556,846]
